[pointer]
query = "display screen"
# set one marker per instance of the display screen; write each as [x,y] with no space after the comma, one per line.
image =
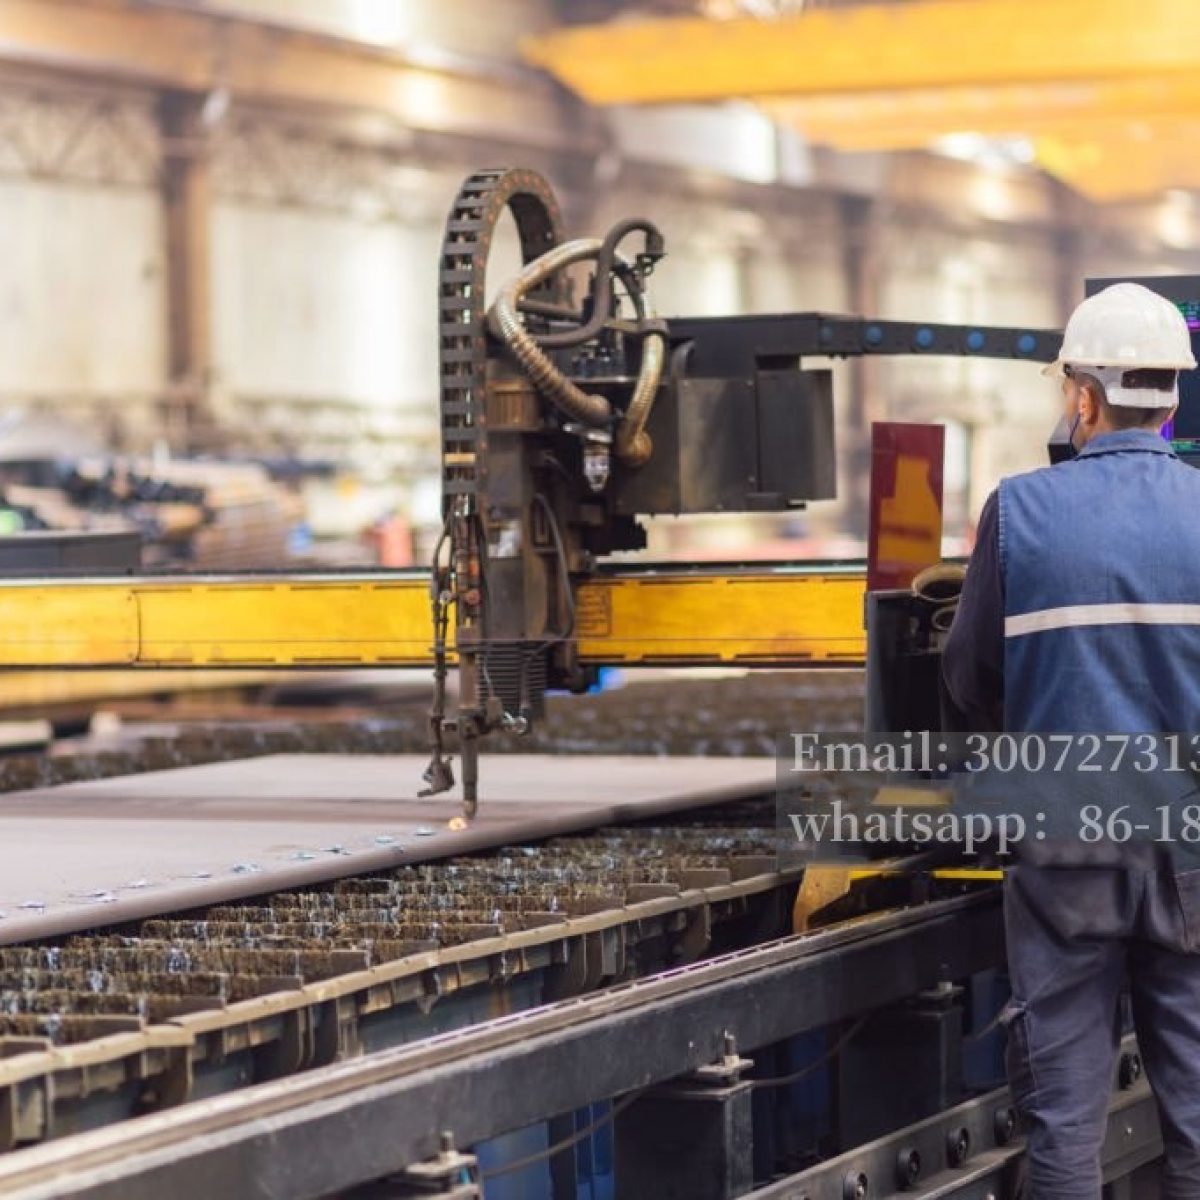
[1187,388]
[1191,312]
[1186,426]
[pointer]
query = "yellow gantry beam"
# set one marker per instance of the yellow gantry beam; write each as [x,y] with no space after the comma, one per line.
[874,48]
[779,617]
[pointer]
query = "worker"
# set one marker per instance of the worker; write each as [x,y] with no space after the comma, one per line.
[1079,614]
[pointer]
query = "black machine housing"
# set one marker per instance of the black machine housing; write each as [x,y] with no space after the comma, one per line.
[737,425]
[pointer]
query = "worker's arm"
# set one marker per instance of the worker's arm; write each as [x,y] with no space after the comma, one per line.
[973,658]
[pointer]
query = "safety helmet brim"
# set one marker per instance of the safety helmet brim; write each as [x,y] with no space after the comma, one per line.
[1110,378]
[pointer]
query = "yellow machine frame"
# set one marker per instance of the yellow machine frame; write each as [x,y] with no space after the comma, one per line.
[774,615]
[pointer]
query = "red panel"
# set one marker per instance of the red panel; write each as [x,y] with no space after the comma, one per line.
[906,502]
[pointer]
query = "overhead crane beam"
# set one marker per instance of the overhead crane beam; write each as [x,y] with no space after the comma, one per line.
[874,48]
[1094,83]
[1107,159]
[913,119]
[1137,162]
[1116,140]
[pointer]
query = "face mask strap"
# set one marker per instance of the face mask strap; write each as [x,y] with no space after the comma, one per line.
[1069,372]
[1071,433]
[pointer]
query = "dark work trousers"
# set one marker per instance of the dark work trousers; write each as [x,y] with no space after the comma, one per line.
[1075,936]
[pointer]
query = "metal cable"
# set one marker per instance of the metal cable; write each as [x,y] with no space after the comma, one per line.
[609,262]
[438,773]
[804,1072]
[485,594]
[566,1143]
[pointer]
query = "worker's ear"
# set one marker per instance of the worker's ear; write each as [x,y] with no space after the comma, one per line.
[1089,406]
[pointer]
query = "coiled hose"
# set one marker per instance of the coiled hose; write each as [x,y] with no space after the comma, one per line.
[940,586]
[633,444]
[505,322]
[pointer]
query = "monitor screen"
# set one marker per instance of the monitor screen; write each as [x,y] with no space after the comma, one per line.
[1186,426]
[1191,312]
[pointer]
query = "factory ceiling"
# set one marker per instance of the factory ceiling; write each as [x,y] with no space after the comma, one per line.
[1104,94]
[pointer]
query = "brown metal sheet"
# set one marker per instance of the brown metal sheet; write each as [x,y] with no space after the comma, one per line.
[99,852]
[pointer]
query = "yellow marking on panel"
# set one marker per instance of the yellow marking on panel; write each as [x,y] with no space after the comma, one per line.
[910,520]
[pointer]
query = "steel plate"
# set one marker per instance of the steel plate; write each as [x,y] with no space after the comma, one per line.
[104,851]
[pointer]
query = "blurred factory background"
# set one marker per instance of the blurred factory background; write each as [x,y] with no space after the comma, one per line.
[221,222]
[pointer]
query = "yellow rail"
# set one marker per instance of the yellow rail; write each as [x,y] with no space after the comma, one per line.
[749,616]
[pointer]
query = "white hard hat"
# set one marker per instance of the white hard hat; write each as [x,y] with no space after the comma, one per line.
[1126,327]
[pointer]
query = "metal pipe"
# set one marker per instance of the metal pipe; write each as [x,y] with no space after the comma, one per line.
[634,446]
